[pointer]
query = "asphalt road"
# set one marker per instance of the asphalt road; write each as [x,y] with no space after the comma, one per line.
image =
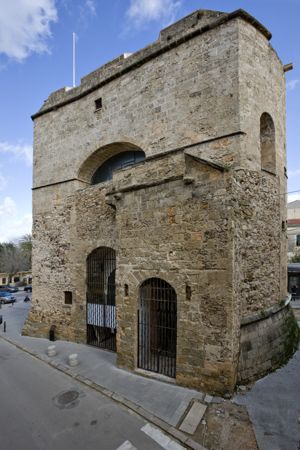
[42,408]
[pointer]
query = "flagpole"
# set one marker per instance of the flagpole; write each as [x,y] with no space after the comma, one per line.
[74,61]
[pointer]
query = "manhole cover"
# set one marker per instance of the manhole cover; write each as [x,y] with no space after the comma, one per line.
[67,399]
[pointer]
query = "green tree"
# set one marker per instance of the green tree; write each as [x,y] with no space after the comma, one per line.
[15,257]
[25,246]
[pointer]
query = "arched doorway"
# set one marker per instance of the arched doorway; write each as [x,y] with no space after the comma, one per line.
[157,327]
[100,298]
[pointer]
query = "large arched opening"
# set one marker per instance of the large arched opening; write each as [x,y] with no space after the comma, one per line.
[100,165]
[101,298]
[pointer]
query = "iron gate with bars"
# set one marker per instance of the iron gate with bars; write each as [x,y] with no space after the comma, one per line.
[157,327]
[100,298]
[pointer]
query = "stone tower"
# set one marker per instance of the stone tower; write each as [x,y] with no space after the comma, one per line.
[159,214]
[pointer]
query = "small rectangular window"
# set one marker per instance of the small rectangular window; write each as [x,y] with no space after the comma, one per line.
[188,292]
[16,279]
[298,240]
[126,290]
[98,104]
[3,280]
[68,298]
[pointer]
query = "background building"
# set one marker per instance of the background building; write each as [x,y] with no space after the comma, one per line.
[18,279]
[293,229]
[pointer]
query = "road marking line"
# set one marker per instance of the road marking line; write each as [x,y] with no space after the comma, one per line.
[127,446]
[162,439]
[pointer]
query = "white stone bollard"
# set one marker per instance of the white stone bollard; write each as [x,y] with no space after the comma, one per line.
[73,359]
[51,350]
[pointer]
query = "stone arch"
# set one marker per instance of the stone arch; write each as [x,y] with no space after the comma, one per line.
[100,156]
[157,327]
[267,143]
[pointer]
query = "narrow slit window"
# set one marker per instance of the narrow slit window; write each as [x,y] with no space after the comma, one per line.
[98,104]
[188,292]
[126,290]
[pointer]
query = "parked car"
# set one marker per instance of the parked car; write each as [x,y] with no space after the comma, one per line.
[12,289]
[3,288]
[6,297]
[28,288]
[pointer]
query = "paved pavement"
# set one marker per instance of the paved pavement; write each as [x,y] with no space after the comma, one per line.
[273,403]
[43,409]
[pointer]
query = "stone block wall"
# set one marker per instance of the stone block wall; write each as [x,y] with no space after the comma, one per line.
[267,342]
[172,231]
[149,106]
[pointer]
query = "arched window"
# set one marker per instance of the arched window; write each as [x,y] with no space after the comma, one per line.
[267,143]
[157,324]
[124,159]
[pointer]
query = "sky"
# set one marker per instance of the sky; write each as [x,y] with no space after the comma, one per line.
[36,59]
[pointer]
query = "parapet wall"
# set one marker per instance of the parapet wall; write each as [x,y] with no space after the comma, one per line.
[268,340]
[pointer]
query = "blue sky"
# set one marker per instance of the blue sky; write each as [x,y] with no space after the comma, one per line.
[36,59]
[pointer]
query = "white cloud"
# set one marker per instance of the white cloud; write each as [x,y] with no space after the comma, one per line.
[3,182]
[293,197]
[143,11]
[294,173]
[13,226]
[7,208]
[292,84]
[25,26]
[90,5]
[87,9]
[19,151]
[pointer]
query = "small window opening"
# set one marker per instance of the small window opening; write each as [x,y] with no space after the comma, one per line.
[298,240]
[267,143]
[126,290]
[188,292]
[98,103]
[68,298]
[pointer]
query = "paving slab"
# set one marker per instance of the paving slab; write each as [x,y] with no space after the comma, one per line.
[193,418]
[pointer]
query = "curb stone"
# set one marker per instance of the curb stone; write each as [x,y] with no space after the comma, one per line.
[149,417]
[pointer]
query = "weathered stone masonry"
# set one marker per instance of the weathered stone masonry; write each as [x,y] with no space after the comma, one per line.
[203,211]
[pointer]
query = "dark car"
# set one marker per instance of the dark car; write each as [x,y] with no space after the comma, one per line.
[6,297]
[28,288]
[3,288]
